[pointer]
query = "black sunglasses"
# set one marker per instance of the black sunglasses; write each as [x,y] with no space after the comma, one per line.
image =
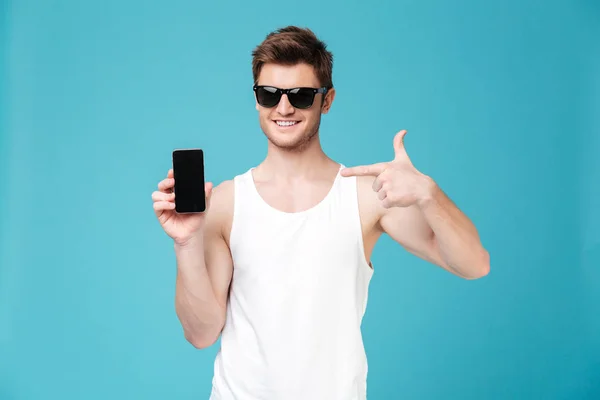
[301,97]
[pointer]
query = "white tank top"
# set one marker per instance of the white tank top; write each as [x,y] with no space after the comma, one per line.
[297,298]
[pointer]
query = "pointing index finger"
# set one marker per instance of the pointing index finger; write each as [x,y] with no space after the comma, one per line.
[364,170]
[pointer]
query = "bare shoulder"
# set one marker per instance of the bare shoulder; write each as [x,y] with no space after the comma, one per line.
[223,194]
[369,205]
[370,212]
[220,211]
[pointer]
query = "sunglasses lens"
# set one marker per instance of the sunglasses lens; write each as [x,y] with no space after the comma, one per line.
[301,98]
[267,96]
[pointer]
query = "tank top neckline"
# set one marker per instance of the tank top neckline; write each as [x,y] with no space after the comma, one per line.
[314,208]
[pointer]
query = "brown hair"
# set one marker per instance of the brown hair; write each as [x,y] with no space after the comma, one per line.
[293,45]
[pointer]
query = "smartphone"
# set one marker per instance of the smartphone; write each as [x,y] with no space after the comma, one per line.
[188,171]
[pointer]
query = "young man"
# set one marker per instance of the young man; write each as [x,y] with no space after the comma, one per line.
[279,265]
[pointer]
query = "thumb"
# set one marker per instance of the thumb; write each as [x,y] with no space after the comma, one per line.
[208,189]
[399,149]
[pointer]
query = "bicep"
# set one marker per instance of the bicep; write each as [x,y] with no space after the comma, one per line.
[219,266]
[408,227]
[217,255]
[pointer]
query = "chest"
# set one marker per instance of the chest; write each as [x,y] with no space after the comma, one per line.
[294,198]
[324,242]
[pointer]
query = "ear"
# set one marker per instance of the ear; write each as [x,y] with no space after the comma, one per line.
[328,100]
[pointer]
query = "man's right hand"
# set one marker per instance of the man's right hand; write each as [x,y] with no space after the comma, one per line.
[180,227]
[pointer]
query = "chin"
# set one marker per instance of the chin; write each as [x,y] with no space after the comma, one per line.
[290,142]
[286,141]
[291,139]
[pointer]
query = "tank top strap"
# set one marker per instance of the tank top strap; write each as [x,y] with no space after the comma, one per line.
[348,201]
[242,189]
[243,203]
[347,192]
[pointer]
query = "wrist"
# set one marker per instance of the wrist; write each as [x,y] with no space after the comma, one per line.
[426,191]
[191,242]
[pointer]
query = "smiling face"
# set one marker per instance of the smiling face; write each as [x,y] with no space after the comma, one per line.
[286,127]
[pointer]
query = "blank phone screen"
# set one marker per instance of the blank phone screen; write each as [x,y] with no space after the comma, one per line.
[188,171]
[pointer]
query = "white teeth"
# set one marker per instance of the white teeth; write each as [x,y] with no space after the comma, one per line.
[286,123]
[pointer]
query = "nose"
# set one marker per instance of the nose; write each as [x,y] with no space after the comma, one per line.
[284,107]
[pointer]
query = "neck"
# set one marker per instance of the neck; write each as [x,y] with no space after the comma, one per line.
[291,164]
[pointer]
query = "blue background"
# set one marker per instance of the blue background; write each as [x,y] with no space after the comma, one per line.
[502,104]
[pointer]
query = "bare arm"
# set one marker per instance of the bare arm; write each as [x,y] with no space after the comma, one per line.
[437,231]
[410,207]
[204,271]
